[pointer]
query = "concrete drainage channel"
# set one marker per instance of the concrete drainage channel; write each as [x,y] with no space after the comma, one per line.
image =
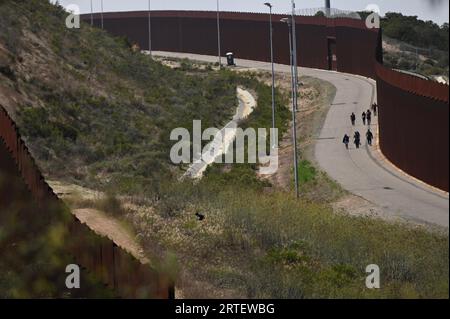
[224,138]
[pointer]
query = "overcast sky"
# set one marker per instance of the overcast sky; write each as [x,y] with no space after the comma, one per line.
[422,8]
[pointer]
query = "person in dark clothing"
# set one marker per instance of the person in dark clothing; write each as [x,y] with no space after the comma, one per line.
[364,116]
[346,140]
[369,136]
[353,119]
[357,139]
[374,109]
[369,117]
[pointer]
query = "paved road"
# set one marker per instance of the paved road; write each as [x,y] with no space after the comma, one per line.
[363,172]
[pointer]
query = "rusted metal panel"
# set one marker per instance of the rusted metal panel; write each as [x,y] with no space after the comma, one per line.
[413,84]
[357,50]
[312,45]
[247,35]
[414,127]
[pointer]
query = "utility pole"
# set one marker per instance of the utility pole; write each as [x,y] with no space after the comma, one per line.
[273,73]
[294,101]
[149,28]
[218,35]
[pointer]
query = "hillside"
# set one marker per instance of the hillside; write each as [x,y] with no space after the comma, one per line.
[414,45]
[93,111]
[416,32]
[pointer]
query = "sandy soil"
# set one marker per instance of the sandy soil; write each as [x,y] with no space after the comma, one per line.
[100,222]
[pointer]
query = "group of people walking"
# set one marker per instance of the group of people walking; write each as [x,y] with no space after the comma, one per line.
[367,120]
[357,139]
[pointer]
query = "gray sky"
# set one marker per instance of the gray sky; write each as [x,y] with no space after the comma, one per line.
[422,8]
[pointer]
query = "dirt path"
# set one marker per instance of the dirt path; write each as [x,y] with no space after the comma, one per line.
[79,199]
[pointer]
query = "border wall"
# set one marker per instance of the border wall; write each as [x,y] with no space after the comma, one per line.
[247,36]
[112,265]
[414,125]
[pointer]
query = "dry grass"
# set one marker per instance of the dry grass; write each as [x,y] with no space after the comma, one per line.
[279,247]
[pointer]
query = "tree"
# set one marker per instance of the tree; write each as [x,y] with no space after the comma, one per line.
[320,14]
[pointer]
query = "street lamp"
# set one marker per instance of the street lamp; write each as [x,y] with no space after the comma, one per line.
[327,8]
[294,49]
[273,72]
[101,14]
[218,36]
[149,28]
[92,14]
[294,102]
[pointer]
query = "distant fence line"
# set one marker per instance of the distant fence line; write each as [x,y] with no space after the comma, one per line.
[413,84]
[330,13]
[101,256]
[247,35]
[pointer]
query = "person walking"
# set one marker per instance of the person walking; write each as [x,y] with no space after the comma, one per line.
[346,140]
[357,139]
[353,119]
[369,136]
[364,116]
[374,109]
[369,117]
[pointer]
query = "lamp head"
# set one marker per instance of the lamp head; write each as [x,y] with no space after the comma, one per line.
[268,4]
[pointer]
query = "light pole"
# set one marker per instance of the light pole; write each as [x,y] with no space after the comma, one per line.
[92,14]
[273,72]
[218,35]
[101,14]
[294,102]
[149,28]
[294,52]
[327,8]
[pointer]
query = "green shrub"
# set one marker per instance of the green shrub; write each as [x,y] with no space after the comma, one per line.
[306,172]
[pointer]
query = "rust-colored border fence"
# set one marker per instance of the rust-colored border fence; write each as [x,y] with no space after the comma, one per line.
[413,84]
[99,255]
[414,125]
[247,36]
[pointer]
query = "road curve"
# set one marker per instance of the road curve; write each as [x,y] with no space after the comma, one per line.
[363,172]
